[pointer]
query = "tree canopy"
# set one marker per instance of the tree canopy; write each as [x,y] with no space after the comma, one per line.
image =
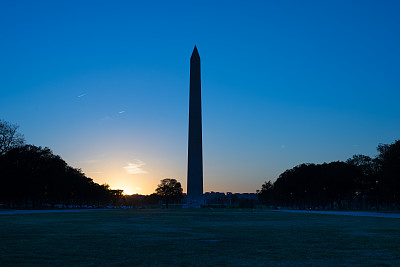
[360,182]
[33,176]
[169,190]
[9,137]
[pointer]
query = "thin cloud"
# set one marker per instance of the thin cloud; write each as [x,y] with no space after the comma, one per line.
[82,95]
[135,167]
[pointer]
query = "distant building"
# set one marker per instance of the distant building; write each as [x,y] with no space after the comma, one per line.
[228,199]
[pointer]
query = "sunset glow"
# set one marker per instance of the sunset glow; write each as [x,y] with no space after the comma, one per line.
[106,85]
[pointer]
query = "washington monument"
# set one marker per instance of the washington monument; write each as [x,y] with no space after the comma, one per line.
[195,147]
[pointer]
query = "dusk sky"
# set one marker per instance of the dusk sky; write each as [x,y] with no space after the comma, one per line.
[105,85]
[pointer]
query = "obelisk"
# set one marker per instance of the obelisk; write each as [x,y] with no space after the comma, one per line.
[195,147]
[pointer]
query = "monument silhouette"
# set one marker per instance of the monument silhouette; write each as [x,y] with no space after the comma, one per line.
[195,146]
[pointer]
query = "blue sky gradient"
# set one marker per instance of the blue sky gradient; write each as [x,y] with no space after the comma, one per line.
[106,85]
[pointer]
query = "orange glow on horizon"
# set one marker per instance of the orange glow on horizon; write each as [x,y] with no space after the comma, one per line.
[129,191]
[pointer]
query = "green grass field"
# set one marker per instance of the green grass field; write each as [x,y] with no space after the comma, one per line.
[197,238]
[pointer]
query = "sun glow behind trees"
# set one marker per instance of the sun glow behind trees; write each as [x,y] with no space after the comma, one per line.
[280,87]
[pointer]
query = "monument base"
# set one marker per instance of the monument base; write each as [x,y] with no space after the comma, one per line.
[193,204]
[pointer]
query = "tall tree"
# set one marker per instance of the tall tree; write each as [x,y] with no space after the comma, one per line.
[265,194]
[169,190]
[9,137]
[389,172]
[366,187]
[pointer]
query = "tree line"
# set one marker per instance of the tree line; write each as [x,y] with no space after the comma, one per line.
[32,176]
[361,182]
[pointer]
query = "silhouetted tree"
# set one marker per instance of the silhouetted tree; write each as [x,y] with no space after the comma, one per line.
[169,190]
[32,176]
[366,186]
[388,162]
[360,182]
[9,137]
[265,195]
[311,186]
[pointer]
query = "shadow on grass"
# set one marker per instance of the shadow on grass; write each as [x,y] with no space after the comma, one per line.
[196,238]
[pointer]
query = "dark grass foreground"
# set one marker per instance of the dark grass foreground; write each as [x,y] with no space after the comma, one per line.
[196,238]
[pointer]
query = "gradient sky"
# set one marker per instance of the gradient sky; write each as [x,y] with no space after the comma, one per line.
[105,85]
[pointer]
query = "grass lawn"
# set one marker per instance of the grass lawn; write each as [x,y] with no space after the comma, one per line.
[197,238]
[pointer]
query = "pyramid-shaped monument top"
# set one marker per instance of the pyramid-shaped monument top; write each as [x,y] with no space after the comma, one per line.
[195,53]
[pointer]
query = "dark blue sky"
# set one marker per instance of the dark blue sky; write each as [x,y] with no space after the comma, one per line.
[106,84]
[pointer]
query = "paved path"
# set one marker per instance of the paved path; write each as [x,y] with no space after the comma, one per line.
[12,212]
[348,213]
